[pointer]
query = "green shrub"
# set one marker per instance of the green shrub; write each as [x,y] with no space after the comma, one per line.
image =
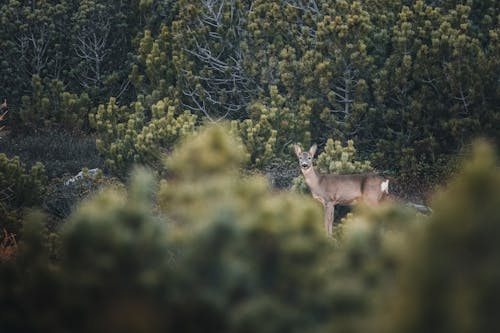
[127,135]
[455,258]
[18,188]
[228,255]
[273,122]
[51,105]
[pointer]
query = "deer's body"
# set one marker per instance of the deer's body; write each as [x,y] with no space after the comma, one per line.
[332,189]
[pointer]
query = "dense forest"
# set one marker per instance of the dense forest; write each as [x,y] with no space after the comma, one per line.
[148,180]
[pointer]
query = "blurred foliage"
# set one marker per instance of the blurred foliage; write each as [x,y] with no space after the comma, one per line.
[454,259]
[210,151]
[225,254]
[8,246]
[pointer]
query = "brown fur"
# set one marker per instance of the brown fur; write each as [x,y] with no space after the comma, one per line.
[333,189]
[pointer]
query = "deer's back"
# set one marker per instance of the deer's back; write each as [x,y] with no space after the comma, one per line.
[349,189]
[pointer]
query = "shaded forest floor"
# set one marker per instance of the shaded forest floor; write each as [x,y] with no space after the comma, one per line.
[61,153]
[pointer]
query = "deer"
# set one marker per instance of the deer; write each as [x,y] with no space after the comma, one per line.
[337,189]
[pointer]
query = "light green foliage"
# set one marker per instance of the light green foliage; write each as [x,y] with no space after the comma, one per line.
[454,259]
[155,121]
[167,125]
[272,123]
[126,136]
[211,151]
[116,130]
[337,159]
[275,40]
[154,75]
[343,65]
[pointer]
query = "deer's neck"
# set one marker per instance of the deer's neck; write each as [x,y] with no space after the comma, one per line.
[312,179]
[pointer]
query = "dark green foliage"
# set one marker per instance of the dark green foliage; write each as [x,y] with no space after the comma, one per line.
[50,105]
[60,58]
[410,82]
[455,259]
[18,188]
[208,58]
[434,92]
[110,274]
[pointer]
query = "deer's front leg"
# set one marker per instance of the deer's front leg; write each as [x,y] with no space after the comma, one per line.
[329,216]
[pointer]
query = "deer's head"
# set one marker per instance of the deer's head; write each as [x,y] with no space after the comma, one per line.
[305,157]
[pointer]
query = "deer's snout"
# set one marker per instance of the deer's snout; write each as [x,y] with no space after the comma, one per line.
[304,165]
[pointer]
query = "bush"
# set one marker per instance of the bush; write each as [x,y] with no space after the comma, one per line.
[127,135]
[455,258]
[271,126]
[18,188]
[120,264]
[228,255]
[50,105]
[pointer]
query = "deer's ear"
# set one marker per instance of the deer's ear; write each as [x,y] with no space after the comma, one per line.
[312,150]
[297,149]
